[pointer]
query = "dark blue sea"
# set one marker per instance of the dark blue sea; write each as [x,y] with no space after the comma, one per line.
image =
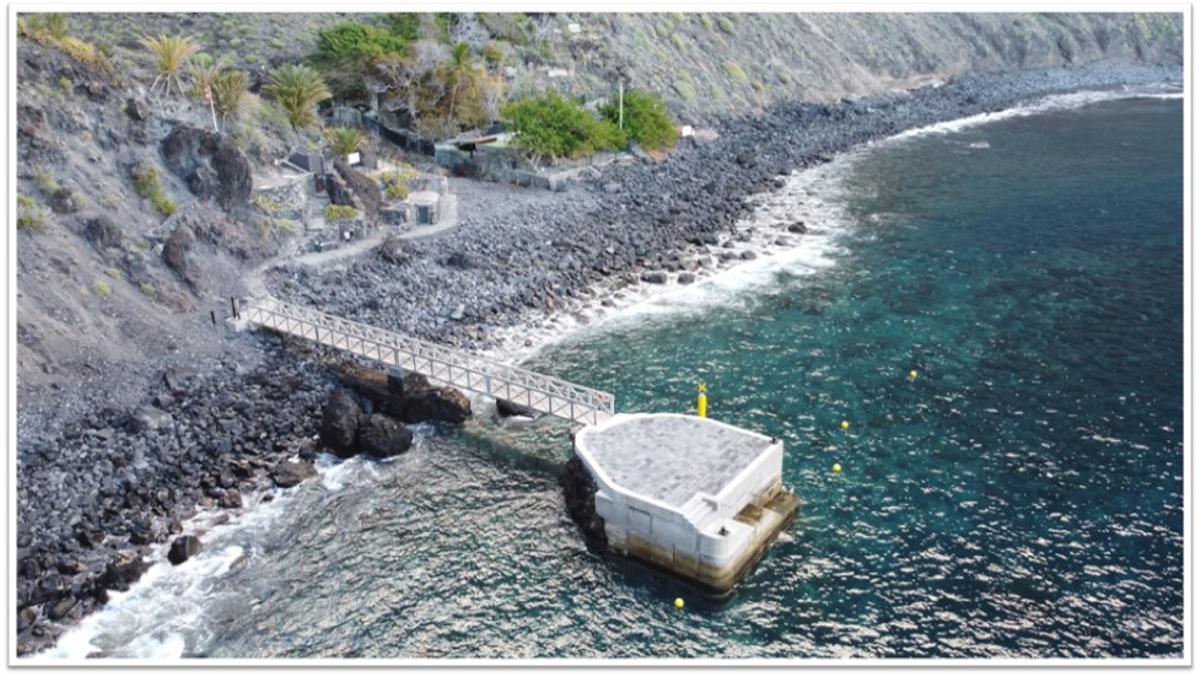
[1022,497]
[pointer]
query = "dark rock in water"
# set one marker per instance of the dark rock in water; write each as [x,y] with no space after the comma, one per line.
[748,255]
[686,278]
[124,569]
[509,409]
[654,277]
[382,436]
[288,473]
[185,546]
[62,607]
[211,165]
[797,228]
[176,249]
[441,404]
[339,423]
[579,492]
[104,233]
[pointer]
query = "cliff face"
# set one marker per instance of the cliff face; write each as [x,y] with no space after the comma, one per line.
[710,65]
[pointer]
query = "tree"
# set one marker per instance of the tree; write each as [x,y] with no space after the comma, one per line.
[298,89]
[171,53]
[647,119]
[553,127]
[229,88]
[346,141]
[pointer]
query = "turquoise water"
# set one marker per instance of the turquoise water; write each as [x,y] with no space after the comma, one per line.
[1021,497]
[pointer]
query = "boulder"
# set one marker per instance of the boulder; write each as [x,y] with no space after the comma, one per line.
[654,277]
[137,109]
[392,250]
[686,278]
[231,499]
[436,404]
[211,165]
[382,436]
[183,547]
[509,409]
[124,569]
[176,249]
[63,200]
[104,233]
[339,423]
[148,418]
[287,473]
[797,228]
[62,607]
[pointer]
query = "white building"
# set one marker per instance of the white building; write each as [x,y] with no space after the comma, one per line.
[690,495]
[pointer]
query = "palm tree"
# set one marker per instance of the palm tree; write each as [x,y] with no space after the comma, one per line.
[298,89]
[346,141]
[229,89]
[171,52]
[459,69]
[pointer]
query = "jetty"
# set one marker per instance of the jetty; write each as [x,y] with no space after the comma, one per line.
[689,495]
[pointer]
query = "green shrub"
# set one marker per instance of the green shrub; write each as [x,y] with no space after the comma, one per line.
[336,213]
[114,273]
[45,181]
[405,25]
[647,120]
[146,184]
[726,24]
[31,216]
[286,226]
[100,287]
[65,84]
[355,40]
[396,190]
[553,127]
[492,54]
[735,71]
[35,28]
[267,204]
[148,290]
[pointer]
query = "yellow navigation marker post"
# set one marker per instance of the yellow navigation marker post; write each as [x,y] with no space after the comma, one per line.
[702,403]
[837,468]
[678,603]
[912,375]
[845,425]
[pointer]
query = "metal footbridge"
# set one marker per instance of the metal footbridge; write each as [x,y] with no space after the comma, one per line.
[437,363]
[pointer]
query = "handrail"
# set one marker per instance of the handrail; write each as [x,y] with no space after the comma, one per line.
[442,364]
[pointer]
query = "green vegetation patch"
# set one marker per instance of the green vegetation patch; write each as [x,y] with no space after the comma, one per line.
[31,216]
[351,40]
[550,126]
[146,184]
[646,119]
[335,213]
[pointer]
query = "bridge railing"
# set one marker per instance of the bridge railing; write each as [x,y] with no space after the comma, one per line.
[438,363]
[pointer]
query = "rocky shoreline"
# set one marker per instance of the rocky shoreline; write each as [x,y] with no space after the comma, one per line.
[116,484]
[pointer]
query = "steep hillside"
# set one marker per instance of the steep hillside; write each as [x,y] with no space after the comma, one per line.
[711,65]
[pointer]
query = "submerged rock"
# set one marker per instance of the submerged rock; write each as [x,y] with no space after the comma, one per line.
[509,409]
[287,473]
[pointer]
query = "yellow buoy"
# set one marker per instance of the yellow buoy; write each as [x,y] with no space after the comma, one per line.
[702,401]
[845,425]
[912,374]
[837,468]
[678,603]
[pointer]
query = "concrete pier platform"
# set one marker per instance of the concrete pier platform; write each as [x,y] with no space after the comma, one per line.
[688,495]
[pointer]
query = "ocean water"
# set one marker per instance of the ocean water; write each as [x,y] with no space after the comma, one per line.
[1022,497]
